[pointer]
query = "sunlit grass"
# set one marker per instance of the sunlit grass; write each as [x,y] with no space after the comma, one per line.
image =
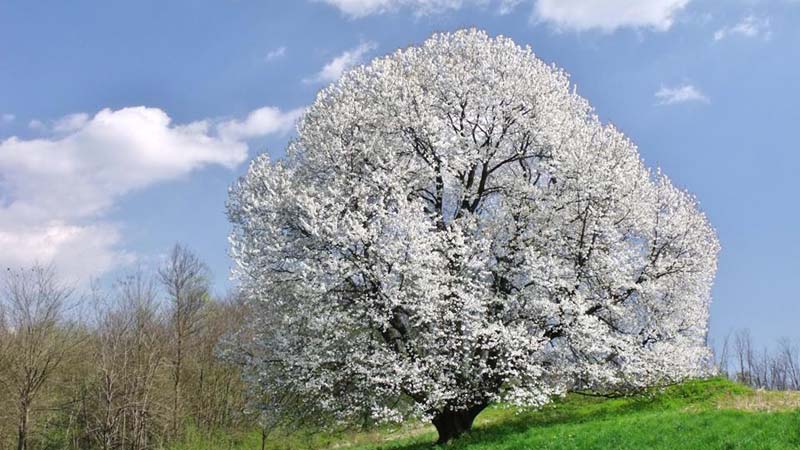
[698,415]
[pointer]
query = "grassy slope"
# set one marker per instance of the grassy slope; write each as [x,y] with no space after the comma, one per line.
[710,414]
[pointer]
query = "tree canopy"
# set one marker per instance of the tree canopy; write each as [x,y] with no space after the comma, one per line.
[454,226]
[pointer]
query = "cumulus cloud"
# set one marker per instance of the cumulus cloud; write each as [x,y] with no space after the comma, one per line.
[680,94]
[750,27]
[7,118]
[261,122]
[56,189]
[79,251]
[71,122]
[580,15]
[609,15]
[334,69]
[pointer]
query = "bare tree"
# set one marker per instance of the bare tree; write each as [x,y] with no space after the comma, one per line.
[774,367]
[791,358]
[127,350]
[36,337]
[724,355]
[219,398]
[110,355]
[186,280]
[148,352]
[743,346]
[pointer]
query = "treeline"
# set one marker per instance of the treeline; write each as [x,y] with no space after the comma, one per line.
[134,365]
[129,366]
[776,368]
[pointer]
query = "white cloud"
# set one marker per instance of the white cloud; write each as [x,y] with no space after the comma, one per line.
[55,190]
[334,69]
[71,122]
[362,8]
[79,251]
[680,94]
[609,15]
[507,6]
[7,118]
[276,53]
[750,27]
[263,121]
[36,124]
[580,15]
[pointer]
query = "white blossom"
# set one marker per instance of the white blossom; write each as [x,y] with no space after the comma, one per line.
[454,226]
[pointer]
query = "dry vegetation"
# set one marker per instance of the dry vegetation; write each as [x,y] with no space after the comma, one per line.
[128,367]
[761,400]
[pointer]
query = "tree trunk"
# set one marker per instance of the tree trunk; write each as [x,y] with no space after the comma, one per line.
[22,430]
[452,424]
[177,388]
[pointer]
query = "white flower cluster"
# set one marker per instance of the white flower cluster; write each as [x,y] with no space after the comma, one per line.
[454,226]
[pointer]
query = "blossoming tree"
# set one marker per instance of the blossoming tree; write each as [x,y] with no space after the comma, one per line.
[454,226]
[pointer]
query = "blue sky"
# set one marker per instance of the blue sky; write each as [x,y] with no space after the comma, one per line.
[123,123]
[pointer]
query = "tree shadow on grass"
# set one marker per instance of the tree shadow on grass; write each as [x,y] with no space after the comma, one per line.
[502,424]
[498,424]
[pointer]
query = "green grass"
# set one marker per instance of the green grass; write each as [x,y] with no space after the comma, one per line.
[698,415]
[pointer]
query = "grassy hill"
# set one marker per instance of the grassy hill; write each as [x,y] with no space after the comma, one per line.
[698,415]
